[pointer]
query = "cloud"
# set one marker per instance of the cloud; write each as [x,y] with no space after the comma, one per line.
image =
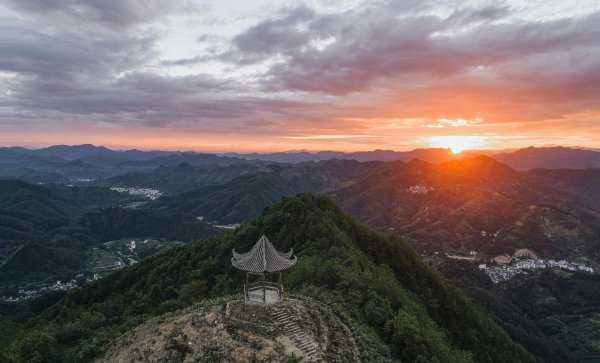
[274,36]
[443,122]
[407,67]
[330,137]
[120,13]
[87,75]
[70,54]
[363,45]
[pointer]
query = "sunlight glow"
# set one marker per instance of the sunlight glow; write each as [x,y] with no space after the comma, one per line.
[457,144]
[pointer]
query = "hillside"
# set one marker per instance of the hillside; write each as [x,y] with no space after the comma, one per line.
[554,313]
[240,199]
[181,178]
[473,204]
[49,233]
[55,201]
[397,307]
[245,196]
[582,183]
[37,240]
[229,330]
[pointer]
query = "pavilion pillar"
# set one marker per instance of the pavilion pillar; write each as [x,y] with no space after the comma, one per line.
[263,288]
[279,287]
[246,287]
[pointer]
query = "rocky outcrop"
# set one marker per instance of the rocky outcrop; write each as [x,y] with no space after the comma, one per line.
[226,330]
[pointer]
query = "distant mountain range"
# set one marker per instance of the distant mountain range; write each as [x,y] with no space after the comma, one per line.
[62,163]
[68,152]
[451,203]
[550,158]
[433,155]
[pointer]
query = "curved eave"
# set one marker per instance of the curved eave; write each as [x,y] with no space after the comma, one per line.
[263,258]
[248,266]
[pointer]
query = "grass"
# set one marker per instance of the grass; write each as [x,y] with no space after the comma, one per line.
[102,261]
[144,247]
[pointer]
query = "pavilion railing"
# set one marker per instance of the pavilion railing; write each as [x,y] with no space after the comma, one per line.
[255,289]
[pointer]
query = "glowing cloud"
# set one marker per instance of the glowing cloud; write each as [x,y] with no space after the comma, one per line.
[458,144]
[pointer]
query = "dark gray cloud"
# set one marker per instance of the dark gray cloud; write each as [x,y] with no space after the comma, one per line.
[120,13]
[144,97]
[273,36]
[70,54]
[84,74]
[378,43]
[344,52]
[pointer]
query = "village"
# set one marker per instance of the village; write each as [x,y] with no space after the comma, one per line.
[25,294]
[500,273]
[113,256]
[144,192]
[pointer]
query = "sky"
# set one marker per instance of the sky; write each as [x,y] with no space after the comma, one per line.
[300,75]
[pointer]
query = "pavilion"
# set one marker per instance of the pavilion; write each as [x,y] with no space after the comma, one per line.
[263,260]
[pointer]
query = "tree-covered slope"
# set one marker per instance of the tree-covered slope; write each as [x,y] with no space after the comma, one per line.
[245,196]
[55,201]
[240,199]
[473,204]
[47,233]
[583,183]
[553,313]
[182,178]
[398,308]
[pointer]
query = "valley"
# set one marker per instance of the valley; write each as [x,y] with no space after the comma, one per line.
[103,260]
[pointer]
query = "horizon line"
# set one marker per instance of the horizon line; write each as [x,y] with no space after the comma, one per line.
[118,148]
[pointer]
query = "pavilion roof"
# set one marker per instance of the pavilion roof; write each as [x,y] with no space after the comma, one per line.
[263,257]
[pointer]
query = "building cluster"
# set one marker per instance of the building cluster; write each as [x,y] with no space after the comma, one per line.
[490,234]
[145,192]
[24,294]
[520,267]
[419,189]
[226,226]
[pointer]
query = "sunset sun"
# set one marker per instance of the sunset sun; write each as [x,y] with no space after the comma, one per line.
[457,144]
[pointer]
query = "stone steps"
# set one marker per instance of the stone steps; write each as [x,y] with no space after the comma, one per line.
[289,324]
